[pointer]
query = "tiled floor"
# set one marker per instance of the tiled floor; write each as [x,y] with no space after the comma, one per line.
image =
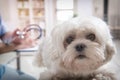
[26,62]
[28,67]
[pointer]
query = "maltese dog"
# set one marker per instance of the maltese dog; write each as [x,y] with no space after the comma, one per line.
[76,50]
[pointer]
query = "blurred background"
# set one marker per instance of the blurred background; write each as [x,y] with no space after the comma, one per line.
[46,13]
[19,13]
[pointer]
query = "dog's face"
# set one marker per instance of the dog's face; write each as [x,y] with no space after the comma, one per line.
[83,44]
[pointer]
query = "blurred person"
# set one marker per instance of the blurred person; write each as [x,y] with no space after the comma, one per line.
[11,41]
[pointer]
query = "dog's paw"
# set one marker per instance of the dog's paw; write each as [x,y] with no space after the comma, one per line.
[46,76]
[103,76]
[56,78]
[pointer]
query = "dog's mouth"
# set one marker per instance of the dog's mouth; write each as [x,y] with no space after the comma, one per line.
[81,56]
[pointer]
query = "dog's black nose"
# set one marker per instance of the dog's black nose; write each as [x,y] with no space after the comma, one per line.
[80,47]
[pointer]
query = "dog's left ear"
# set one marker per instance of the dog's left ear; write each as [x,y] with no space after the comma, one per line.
[109,50]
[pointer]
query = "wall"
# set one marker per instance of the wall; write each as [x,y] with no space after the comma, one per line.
[8,13]
[114,13]
[84,7]
[90,7]
[98,7]
[4,10]
[50,15]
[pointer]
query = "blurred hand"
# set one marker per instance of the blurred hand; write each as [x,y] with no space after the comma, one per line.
[22,42]
[26,43]
[16,38]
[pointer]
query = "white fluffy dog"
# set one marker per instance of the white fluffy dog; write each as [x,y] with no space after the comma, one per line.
[76,50]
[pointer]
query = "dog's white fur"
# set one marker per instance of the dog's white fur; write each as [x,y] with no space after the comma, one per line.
[64,61]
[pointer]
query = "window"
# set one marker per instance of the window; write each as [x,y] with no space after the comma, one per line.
[64,9]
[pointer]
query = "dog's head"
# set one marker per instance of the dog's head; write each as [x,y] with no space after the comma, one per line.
[84,44]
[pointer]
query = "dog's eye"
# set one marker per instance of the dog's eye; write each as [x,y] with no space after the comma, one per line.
[69,39]
[91,36]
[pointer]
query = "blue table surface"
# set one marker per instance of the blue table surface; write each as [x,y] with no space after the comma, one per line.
[7,73]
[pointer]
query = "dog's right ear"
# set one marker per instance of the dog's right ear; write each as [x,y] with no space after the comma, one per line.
[54,32]
[58,35]
[55,35]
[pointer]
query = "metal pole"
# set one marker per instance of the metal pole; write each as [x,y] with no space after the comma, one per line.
[18,61]
[105,11]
